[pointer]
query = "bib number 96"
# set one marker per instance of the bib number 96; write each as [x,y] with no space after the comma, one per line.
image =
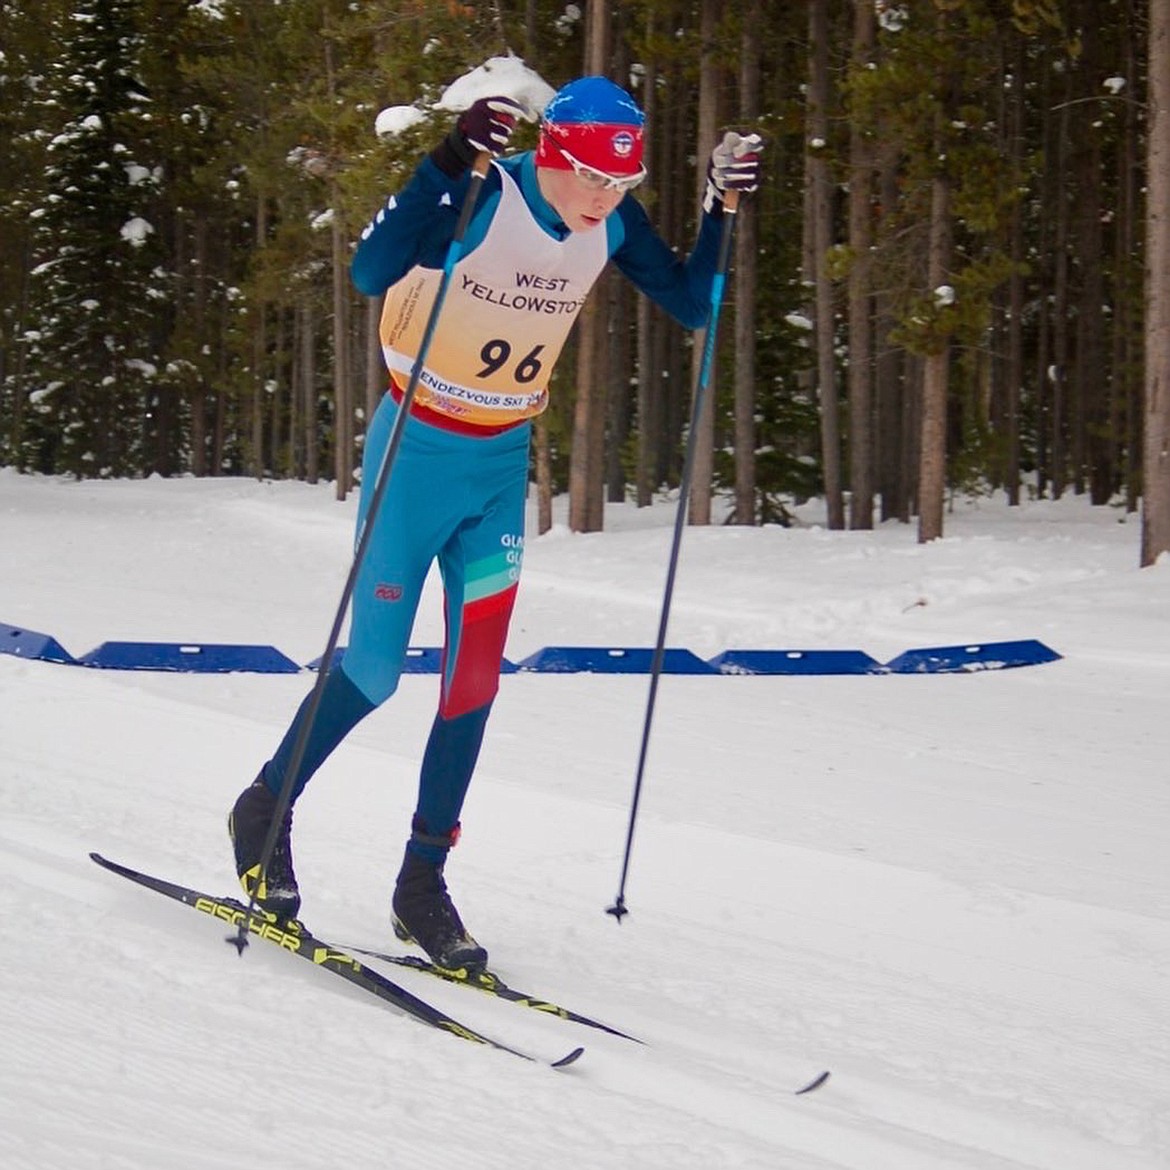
[497,353]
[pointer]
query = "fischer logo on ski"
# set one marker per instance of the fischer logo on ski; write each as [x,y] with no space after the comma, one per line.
[233,915]
[293,937]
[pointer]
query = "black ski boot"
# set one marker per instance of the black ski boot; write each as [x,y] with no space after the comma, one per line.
[248,826]
[425,915]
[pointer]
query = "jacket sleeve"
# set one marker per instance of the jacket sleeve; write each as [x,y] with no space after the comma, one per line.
[414,228]
[681,287]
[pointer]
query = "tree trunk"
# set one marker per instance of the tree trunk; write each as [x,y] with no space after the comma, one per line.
[933,454]
[1092,445]
[540,440]
[1014,326]
[1060,302]
[277,460]
[309,393]
[1127,247]
[199,316]
[376,376]
[704,436]
[621,365]
[259,350]
[342,398]
[861,444]
[293,422]
[219,432]
[1048,185]
[619,360]
[586,469]
[822,239]
[746,252]
[894,468]
[1156,448]
[650,387]
[674,343]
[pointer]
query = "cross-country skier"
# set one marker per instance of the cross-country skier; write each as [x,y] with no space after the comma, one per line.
[546,223]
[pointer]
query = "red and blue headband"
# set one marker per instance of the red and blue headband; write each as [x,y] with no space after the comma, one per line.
[597,123]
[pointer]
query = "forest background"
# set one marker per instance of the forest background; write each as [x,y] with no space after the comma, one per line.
[944,283]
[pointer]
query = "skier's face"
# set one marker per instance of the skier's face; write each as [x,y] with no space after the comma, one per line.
[581,207]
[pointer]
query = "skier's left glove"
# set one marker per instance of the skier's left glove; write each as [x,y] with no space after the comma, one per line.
[734,166]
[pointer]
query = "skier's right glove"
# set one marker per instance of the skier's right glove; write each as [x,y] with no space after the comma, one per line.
[734,166]
[489,123]
[484,127]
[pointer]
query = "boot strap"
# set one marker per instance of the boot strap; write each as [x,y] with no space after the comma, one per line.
[444,841]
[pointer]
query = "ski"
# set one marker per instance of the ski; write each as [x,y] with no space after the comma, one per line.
[491,983]
[293,937]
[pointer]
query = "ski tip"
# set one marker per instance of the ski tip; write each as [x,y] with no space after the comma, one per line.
[571,1058]
[815,1083]
[107,864]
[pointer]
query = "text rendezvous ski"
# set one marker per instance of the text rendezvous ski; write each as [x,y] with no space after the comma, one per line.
[293,937]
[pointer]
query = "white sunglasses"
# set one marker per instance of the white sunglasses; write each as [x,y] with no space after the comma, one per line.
[597,180]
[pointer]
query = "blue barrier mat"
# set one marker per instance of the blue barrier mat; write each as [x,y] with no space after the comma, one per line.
[972,657]
[32,644]
[419,660]
[423,660]
[189,656]
[796,662]
[612,660]
[222,659]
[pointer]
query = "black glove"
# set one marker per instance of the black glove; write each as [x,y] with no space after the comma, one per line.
[485,126]
[489,123]
[734,166]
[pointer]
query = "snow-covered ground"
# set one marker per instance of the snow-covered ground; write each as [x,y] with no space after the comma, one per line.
[952,890]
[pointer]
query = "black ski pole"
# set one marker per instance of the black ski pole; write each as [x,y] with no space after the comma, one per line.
[730,208]
[478,173]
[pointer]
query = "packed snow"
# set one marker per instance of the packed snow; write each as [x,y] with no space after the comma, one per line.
[951,889]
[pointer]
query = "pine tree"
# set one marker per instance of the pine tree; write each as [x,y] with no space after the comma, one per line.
[943,248]
[24,52]
[96,286]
